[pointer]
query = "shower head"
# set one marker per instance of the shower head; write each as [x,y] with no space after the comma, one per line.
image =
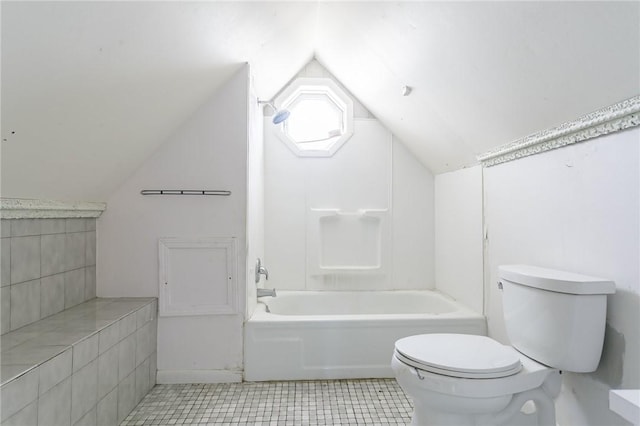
[279,115]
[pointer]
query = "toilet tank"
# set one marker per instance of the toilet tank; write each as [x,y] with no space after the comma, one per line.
[556,318]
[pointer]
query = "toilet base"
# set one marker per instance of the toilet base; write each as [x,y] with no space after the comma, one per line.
[433,407]
[510,415]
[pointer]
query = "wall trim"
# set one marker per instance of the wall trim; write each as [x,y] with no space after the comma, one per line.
[614,118]
[170,377]
[20,208]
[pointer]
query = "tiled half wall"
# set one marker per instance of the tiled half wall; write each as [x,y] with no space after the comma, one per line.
[47,265]
[88,365]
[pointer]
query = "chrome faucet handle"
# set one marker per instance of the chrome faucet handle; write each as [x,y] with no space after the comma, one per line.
[264,272]
[261,270]
[257,271]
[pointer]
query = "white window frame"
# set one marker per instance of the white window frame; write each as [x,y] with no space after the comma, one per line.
[302,87]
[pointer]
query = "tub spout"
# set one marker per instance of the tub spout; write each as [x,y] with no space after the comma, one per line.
[262,292]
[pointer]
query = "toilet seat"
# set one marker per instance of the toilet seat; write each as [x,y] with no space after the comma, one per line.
[459,355]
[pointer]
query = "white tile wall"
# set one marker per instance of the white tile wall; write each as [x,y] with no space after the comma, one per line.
[26,416]
[18,393]
[108,337]
[107,409]
[54,406]
[24,227]
[127,326]
[126,356]
[55,371]
[142,379]
[84,391]
[26,298]
[74,254]
[90,248]
[52,249]
[60,253]
[73,287]
[85,351]
[126,396]
[75,225]
[25,259]
[52,226]
[107,372]
[51,295]
[5,228]
[5,253]
[79,384]
[5,309]
[88,419]
[90,282]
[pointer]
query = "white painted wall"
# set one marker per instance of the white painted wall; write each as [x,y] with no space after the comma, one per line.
[255,198]
[576,209]
[370,171]
[412,191]
[209,151]
[458,236]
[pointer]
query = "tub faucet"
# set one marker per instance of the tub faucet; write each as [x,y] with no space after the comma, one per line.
[261,270]
[262,292]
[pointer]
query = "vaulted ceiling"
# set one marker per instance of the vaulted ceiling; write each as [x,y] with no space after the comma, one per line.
[92,88]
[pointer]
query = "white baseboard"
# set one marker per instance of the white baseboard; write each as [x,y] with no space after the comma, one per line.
[166,377]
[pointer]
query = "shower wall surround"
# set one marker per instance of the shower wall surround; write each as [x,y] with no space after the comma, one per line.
[48,265]
[318,212]
[374,177]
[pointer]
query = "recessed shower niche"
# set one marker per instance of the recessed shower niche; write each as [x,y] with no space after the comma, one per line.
[347,241]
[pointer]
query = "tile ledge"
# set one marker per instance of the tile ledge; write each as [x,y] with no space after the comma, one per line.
[21,208]
[98,303]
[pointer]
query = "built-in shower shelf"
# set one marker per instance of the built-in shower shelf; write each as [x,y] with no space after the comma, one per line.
[346,241]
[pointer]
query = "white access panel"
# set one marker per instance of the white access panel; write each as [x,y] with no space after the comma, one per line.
[197,276]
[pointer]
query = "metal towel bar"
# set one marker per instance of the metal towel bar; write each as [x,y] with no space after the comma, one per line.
[185,192]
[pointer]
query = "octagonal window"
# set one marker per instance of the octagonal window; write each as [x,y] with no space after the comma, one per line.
[321,119]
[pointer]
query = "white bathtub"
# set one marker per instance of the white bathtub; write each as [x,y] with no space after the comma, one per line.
[343,335]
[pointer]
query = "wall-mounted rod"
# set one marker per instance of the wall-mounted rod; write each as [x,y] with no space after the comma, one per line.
[184,192]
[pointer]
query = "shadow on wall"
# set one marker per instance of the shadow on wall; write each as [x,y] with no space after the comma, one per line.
[618,347]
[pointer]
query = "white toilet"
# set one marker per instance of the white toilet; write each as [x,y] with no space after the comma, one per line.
[555,321]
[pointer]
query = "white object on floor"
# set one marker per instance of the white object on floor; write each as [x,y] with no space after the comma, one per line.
[626,404]
[457,379]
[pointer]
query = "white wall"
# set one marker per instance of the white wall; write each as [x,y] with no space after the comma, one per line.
[576,209]
[208,152]
[413,242]
[370,171]
[255,198]
[458,236]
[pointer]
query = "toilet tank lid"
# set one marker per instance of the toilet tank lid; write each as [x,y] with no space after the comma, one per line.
[553,280]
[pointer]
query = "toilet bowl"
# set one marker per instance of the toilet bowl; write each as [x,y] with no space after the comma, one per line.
[555,321]
[457,379]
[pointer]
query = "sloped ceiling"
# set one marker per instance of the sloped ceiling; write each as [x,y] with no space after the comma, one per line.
[92,88]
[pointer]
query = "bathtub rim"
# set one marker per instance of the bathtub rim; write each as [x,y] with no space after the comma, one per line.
[260,314]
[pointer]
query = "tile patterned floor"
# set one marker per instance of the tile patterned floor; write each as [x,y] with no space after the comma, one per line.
[326,402]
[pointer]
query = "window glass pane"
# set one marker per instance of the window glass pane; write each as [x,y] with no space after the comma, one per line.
[314,118]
